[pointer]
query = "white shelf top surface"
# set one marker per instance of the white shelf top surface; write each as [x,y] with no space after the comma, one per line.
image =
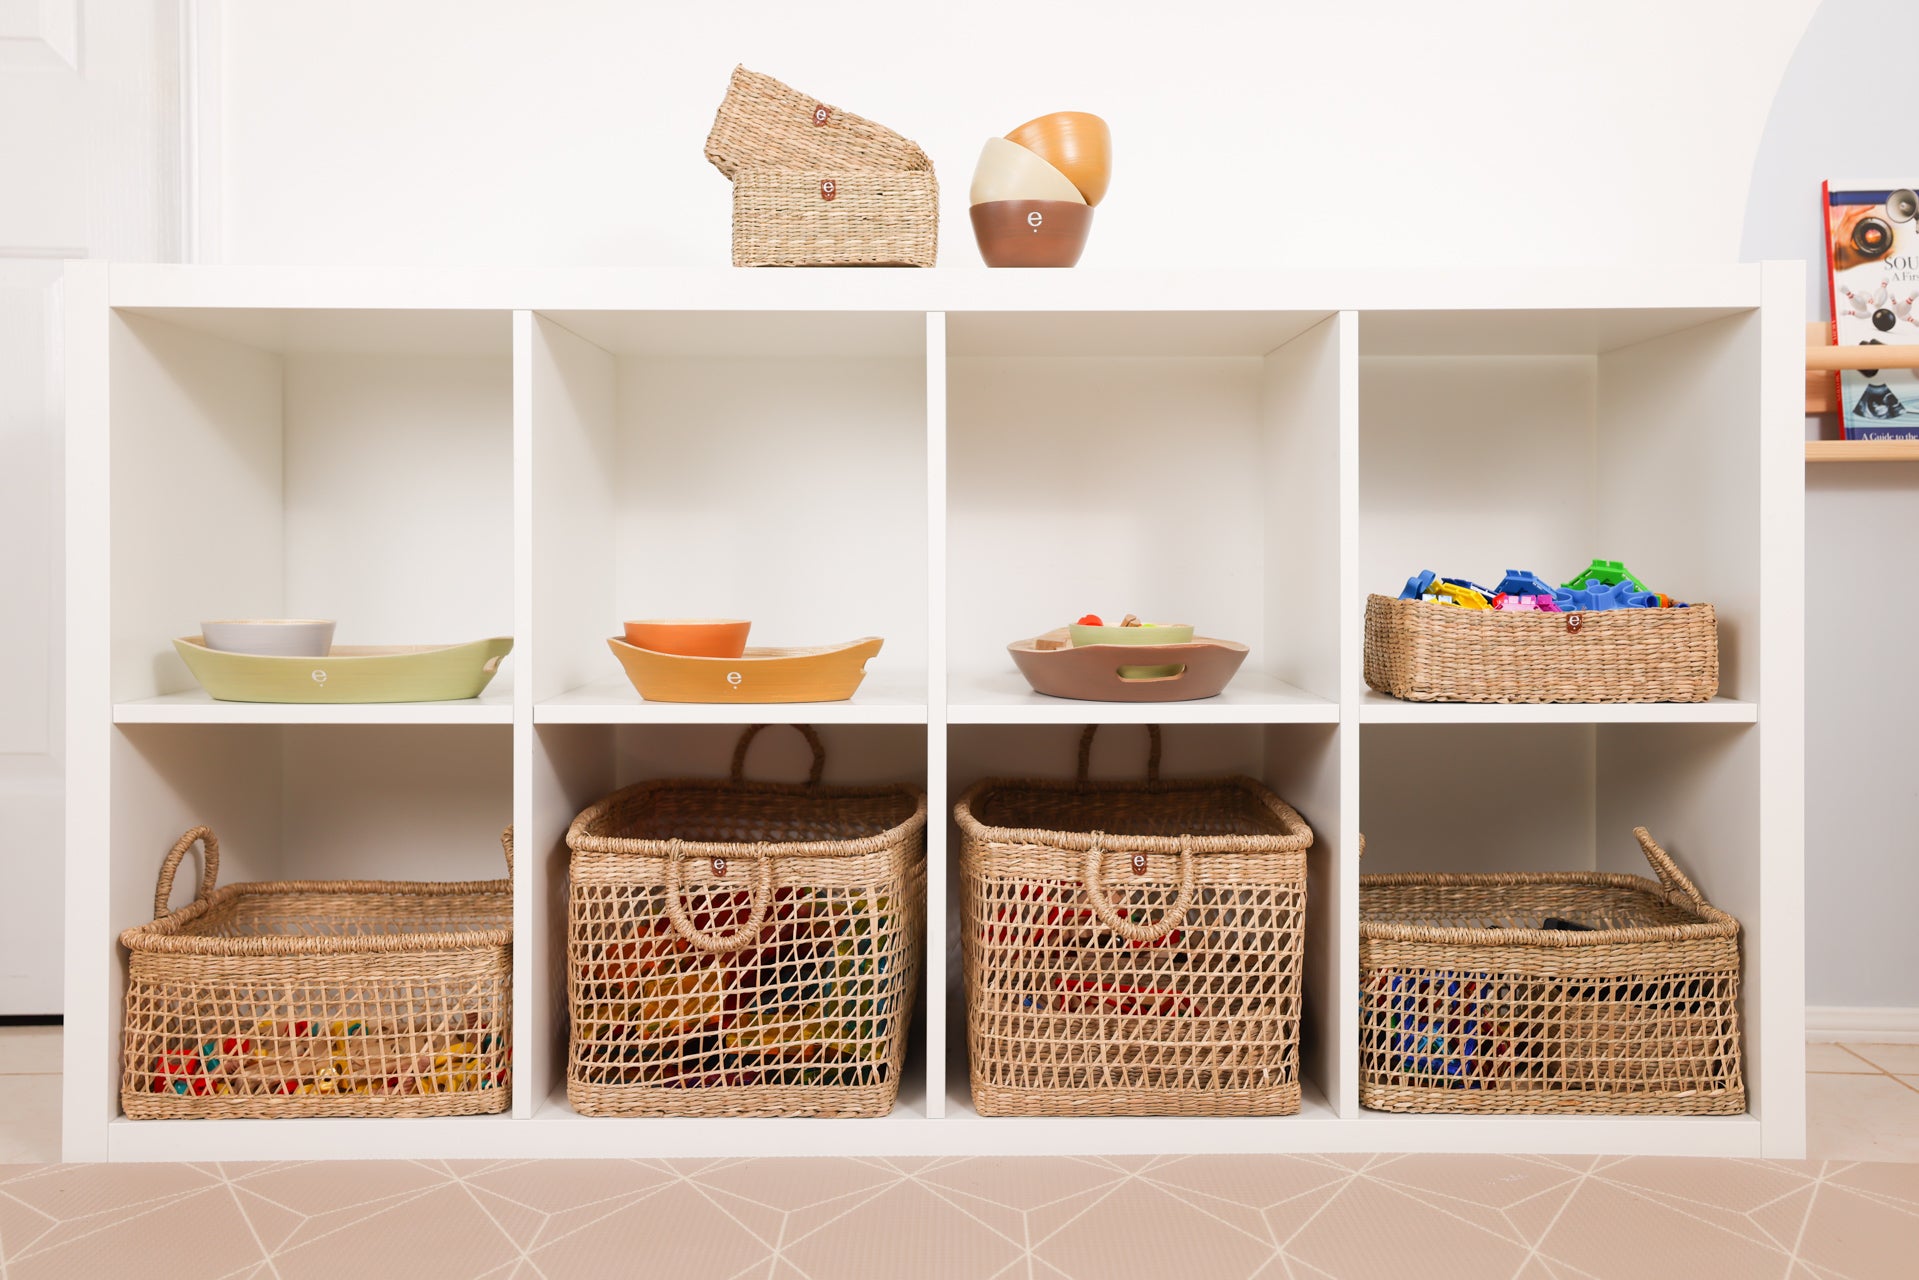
[1729,286]
[1004,697]
[884,697]
[494,706]
[1379,708]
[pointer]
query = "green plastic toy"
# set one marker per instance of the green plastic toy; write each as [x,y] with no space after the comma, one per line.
[1608,572]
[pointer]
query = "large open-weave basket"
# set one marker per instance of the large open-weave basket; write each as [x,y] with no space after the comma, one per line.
[1468,1003]
[1132,948]
[1426,652]
[815,186]
[319,998]
[741,948]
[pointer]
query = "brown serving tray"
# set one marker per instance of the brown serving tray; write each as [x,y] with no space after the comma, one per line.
[1091,673]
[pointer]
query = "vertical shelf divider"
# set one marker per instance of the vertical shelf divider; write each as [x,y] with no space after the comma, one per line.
[89,1101]
[526,890]
[1344,1094]
[938,803]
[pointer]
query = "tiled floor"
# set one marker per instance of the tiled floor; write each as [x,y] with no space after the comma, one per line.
[1836,1217]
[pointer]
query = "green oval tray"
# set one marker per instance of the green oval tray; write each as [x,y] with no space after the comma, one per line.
[350,673]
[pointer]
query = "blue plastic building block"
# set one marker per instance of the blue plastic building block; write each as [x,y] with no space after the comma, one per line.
[1417,585]
[1523,582]
[1597,597]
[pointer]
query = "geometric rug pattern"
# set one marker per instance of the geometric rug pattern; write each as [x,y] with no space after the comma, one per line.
[1408,1217]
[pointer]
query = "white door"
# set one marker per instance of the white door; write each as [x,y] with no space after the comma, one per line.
[89,167]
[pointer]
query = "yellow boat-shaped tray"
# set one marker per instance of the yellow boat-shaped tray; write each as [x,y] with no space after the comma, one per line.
[350,673]
[829,674]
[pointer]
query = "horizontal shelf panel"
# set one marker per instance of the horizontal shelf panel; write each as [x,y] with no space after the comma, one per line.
[386,332]
[1379,708]
[1005,698]
[883,698]
[555,1130]
[495,706]
[1542,332]
[1732,286]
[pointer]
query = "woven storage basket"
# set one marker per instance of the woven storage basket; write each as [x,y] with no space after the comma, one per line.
[1468,1004]
[835,218]
[1427,652]
[319,998]
[1132,948]
[744,948]
[764,124]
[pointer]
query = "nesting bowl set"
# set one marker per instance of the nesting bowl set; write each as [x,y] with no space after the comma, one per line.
[1034,190]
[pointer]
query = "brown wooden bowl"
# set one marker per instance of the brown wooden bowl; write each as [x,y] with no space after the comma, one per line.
[1031,233]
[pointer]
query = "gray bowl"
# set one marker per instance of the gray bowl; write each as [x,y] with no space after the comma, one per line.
[278,637]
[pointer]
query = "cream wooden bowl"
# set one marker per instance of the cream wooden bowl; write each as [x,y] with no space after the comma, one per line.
[1008,171]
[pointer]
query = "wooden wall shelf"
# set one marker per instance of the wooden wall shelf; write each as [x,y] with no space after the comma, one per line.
[1862,451]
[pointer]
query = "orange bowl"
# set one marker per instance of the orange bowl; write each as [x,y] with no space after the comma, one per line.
[690,637]
[1076,143]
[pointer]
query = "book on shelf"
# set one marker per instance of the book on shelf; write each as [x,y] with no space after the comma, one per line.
[1872,280]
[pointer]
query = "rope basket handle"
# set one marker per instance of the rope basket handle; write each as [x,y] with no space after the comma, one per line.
[1152,752]
[1669,873]
[804,730]
[1170,919]
[506,843]
[209,864]
[759,891]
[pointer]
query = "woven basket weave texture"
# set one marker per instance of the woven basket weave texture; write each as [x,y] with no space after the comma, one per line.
[1469,1004]
[763,123]
[1425,652]
[319,998]
[1132,948]
[740,948]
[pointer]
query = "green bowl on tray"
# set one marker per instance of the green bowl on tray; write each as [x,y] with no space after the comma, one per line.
[350,673]
[1147,633]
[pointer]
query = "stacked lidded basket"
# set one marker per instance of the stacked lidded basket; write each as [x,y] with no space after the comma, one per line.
[814,186]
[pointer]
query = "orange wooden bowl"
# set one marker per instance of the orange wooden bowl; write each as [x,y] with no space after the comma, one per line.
[1076,143]
[690,637]
[1031,233]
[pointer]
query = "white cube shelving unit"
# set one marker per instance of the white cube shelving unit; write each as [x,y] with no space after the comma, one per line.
[951,460]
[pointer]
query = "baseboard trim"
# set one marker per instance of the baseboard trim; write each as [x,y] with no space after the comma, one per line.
[1862,1024]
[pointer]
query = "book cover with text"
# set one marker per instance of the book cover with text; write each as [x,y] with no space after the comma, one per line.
[1872,261]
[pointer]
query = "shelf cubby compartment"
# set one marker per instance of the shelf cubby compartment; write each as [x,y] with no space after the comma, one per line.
[1183,466]
[353,465]
[288,802]
[1537,441]
[708,464]
[574,766]
[1544,797]
[1300,762]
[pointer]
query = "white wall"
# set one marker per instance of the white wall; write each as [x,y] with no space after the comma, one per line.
[1256,134]
[1273,134]
[1862,522]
